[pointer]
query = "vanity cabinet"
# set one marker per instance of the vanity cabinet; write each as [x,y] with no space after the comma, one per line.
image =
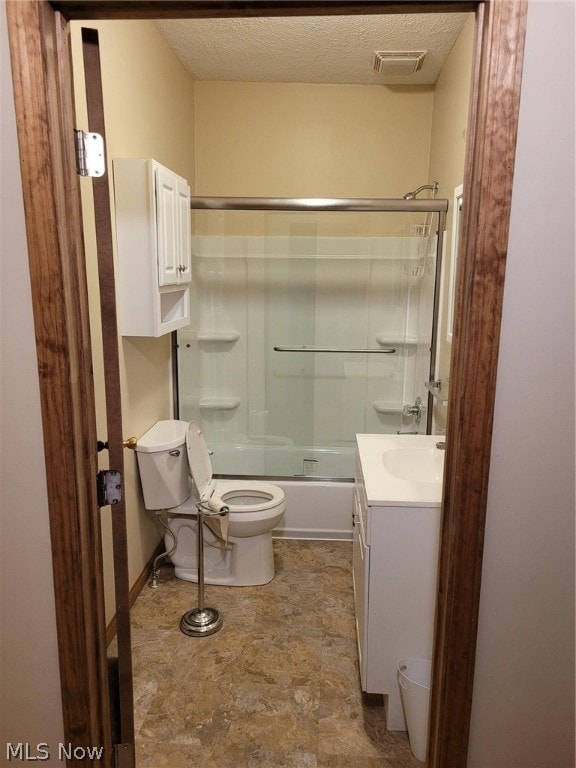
[152,205]
[395,554]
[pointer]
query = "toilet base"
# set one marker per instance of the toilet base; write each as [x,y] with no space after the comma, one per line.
[244,562]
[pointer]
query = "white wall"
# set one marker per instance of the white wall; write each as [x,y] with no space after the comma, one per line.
[30,704]
[297,299]
[523,706]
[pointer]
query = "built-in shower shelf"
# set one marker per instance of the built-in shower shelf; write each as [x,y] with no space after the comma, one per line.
[219,337]
[439,390]
[219,403]
[386,408]
[395,341]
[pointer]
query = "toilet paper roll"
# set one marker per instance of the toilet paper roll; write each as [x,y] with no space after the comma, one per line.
[216,504]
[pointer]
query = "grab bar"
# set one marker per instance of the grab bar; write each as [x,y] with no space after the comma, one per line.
[305,348]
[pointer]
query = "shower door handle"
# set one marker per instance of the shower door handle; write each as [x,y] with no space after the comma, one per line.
[336,350]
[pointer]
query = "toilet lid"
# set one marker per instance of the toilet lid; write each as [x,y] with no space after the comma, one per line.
[198,458]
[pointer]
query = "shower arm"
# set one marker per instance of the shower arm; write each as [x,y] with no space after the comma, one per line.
[412,195]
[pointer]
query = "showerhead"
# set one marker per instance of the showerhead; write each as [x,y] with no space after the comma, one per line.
[412,195]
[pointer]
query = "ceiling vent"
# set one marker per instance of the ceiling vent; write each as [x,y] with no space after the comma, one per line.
[398,62]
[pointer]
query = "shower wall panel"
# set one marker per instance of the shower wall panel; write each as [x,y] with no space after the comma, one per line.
[254,293]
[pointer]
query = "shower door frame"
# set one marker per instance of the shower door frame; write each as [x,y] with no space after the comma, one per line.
[438,206]
[39,47]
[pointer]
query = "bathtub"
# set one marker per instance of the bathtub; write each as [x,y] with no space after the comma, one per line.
[317,482]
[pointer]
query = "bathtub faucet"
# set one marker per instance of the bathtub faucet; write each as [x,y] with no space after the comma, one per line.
[414,410]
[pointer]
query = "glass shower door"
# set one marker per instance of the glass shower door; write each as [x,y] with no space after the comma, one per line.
[308,327]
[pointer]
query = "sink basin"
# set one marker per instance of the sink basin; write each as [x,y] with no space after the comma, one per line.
[401,470]
[417,465]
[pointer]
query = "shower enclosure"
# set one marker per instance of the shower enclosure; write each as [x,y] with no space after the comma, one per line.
[312,320]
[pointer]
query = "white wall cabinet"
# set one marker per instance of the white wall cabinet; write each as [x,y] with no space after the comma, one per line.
[395,554]
[154,247]
[173,216]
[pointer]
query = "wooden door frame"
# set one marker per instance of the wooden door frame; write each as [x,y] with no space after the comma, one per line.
[40,51]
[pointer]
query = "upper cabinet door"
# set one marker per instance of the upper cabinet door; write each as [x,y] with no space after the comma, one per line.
[153,247]
[167,215]
[184,241]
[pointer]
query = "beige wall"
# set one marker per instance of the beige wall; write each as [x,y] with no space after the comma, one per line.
[149,109]
[30,703]
[447,160]
[303,140]
[523,704]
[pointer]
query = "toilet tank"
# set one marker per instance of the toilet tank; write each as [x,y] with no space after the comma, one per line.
[163,464]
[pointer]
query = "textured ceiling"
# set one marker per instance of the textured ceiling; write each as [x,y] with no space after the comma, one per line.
[310,49]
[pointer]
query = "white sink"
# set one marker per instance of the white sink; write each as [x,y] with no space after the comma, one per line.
[401,470]
[417,465]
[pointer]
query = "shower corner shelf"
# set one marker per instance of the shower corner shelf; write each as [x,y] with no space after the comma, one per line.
[218,337]
[439,390]
[395,341]
[219,403]
[386,408]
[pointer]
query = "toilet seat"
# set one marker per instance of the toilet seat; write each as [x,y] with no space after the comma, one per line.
[240,496]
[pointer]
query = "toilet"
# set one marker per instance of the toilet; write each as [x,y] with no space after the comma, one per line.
[176,472]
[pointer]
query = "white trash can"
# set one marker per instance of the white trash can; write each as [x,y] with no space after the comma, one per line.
[414,681]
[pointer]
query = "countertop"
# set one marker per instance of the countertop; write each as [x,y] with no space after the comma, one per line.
[383,488]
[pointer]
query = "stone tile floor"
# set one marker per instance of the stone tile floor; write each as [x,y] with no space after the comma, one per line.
[277,687]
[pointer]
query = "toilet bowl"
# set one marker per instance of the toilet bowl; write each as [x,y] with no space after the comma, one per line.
[176,474]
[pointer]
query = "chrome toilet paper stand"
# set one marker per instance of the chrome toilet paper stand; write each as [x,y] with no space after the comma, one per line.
[201,621]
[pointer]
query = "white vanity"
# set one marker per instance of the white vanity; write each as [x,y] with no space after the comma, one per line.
[397,498]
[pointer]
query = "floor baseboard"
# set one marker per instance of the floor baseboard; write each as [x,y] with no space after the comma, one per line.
[135,590]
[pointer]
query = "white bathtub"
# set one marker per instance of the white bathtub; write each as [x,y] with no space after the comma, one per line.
[316,508]
[280,458]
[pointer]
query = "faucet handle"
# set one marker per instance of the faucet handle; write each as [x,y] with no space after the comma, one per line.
[414,410]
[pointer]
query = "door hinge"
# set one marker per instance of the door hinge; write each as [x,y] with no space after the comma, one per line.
[108,487]
[90,160]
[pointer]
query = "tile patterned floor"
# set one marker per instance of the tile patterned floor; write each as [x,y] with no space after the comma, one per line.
[277,687]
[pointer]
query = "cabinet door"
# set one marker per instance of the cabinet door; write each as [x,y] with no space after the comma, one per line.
[360,576]
[184,244]
[167,226]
